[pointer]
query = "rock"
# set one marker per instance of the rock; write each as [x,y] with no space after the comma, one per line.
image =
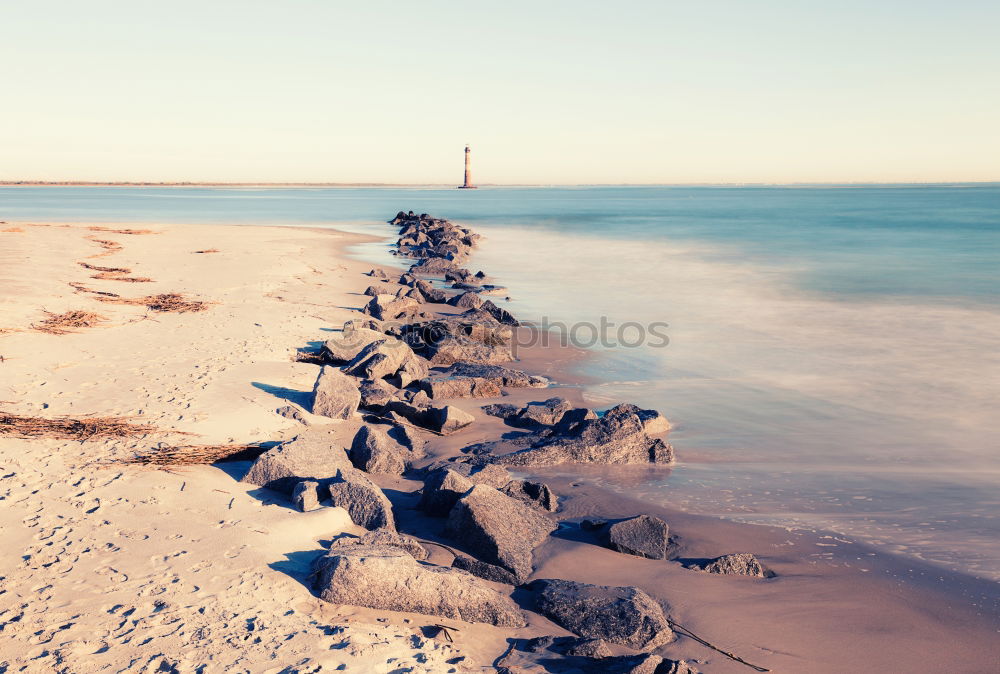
[305,495]
[432,266]
[616,438]
[346,345]
[309,456]
[491,475]
[335,395]
[470,338]
[501,315]
[458,274]
[546,413]
[359,323]
[446,420]
[498,529]
[466,300]
[593,524]
[738,564]
[362,499]
[377,273]
[675,667]
[571,420]
[450,350]
[376,393]
[387,578]
[372,291]
[459,387]
[501,410]
[653,422]
[385,358]
[642,536]
[419,398]
[501,376]
[290,412]
[409,544]
[442,489]
[571,646]
[373,452]
[408,437]
[483,570]
[620,615]
[390,308]
[533,493]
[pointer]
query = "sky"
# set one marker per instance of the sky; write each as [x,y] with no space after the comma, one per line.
[553,92]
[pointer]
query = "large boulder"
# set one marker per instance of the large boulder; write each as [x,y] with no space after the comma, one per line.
[737,564]
[387,307]
[441,386]
[501,376]
[620,615]
[444,420]
[467,300]
[374,452]
[498,529]
[490,572]
[335,395]
[376,393]
[387,357]
[308,456]
[501,315]
[385,537]
[451,350]
[547,413]
[616,438]
[642,536]
[385,577]
[477,380]
[442,489]
[345,345]
[367,506]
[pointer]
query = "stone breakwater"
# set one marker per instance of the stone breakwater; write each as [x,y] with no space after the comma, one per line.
[425,338]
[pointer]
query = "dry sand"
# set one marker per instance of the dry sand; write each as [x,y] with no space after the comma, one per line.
[123,568]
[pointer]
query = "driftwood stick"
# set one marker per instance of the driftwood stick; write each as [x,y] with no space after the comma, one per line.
[688,633]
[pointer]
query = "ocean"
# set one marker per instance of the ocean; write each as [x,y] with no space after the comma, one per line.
[827,354]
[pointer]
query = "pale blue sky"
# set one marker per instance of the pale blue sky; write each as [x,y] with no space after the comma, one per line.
[546,92]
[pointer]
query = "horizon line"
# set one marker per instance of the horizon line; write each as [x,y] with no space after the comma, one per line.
[200,183]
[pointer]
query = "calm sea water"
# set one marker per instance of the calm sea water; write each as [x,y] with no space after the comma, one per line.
[832,360]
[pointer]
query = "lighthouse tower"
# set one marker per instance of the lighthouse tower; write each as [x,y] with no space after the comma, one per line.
[467,185]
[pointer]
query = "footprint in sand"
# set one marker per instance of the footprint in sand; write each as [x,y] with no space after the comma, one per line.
[112,574]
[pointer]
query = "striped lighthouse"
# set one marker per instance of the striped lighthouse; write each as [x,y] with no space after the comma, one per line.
[467,185]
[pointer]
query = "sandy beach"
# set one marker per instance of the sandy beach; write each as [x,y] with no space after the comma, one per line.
[119,566]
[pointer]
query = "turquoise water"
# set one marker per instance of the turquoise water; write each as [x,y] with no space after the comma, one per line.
[832,361]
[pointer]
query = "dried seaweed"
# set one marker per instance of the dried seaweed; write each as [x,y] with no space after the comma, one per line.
[165,303]
[208,250]
[81,288]
[314,357]
[12,230]
[65,323]
[108,246]
[121,231]
[95,267]
[116,276]
[67,428]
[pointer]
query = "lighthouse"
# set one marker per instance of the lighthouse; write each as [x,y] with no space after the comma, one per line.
[467,185]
